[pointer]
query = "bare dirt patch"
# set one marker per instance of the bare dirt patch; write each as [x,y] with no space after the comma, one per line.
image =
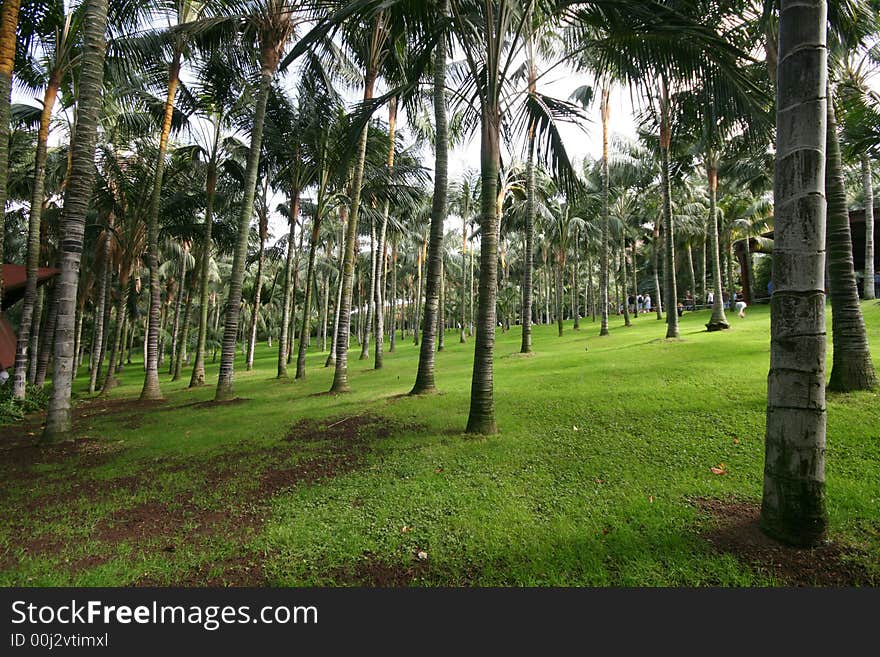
[372,571]
[735,530]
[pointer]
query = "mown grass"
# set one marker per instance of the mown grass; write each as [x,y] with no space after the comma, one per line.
[604,443]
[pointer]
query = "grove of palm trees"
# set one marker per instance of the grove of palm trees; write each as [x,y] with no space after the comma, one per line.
[440,293]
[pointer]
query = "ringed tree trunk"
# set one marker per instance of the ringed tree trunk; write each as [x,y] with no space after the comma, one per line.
[441,316]
[8,40]
[851,367]
[793,505]
[528,256]
[575,275]
[116,345]
[288,287]
[151,388]
[481,418]
[103,288]
[178,304]
[340,375]
[46,335]
[77,196]
[258,282]
[198,373]
[417,302]
[291,331]
[392,333]
[184,337]
[718,321]
[33,243]
[557,280]
[669,237]
[379,278]
[462,337]
[658,301]
[603,249]
[306,329]
[433,315]
[269,63]
[867,184]
[625,281]
[331,357]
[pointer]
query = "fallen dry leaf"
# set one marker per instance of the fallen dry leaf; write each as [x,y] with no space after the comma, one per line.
[405,529]
[422,555]
[651,499]
[719,469]
[736,441]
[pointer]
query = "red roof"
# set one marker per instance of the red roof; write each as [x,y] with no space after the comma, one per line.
[14,277]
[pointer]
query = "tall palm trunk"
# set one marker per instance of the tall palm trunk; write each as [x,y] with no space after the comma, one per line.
[528,256]
[481,418]
[433,314]
[340,375]
[291,335]
[198,373]
[151,388]
[718,321]
[441,315]
[392,337]
[557,280]
[658,301]
[417,302]
[306,329]
[625,280]
[8,40]
[326,312]
[184,336]
[288,284]
[33,243]
[178,305]
[851,367]
[603,249]
[269,62]
[34,346]
[331,357]
[793,505]
[370,291]
[116,345]
[46,335]
[575,293]
[868,187]
[379,279]
[103,287]
[258,281]
[77,196]
[669,236]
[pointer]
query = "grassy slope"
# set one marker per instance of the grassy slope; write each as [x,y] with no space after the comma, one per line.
[602,441]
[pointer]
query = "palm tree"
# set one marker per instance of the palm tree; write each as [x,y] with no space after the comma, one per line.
[58,48]
[793,505]
[77,195]
[271,26]
[851,368]
[425,375]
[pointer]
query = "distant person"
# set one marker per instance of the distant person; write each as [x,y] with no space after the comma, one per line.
[741,308]
[770,288]
[640,303]
[680,309]
[710,298]
[877,285]
[647,303]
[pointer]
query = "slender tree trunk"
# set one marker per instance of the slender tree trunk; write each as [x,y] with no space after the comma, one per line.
[690,260]
[434,314]
[718,320]
[258,281]
[379,283]
[471,292]
[868,186]
[34,222]
[184,337]
[291,333]
[34,346]
[77,196]
[528,255]
[625,282]
[393,337]
[603,252]
[99,309]
[46,337]
[481,418]
[462,337]
[306,329]
[793,506]
[369,296]
[331,357]
[441,319]
[78,346]
[417,302]
[669,237]
[340,375]
[658,301]
[151,388]
[116,345]
[326,314]
[178,304]
[851,367]
[575,276]
[269,62]
[288,286]
[557,274]
[198,373]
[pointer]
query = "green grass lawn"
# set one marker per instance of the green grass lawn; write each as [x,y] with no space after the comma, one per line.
[596,475]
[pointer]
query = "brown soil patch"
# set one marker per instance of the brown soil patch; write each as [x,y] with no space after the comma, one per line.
[735,531]
[373,571]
